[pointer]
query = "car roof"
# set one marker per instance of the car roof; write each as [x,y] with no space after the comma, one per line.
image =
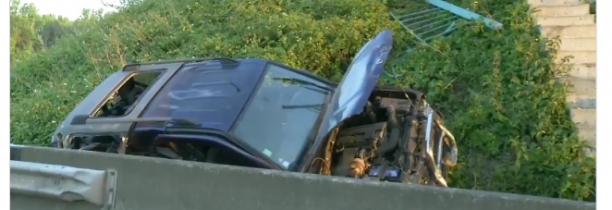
[210,94]
[78,120]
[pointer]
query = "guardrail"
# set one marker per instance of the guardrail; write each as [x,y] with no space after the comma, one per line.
[63,183]
[439,20]
[162,184]
[464,13]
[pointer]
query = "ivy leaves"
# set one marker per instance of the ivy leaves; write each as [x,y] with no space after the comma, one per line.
[498,92]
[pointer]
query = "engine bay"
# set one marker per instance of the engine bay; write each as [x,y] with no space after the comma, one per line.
[393,139]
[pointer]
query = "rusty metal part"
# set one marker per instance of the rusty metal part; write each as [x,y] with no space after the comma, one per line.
[357,167]
[362,136]
[325,169]
[450,141]
[411,128]
[435,176]
[369,111]
[409,145]
[392,140]
[402,106]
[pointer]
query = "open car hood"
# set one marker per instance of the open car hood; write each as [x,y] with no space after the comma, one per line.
[358,82]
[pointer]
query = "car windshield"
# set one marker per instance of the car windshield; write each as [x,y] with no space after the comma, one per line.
[281,114]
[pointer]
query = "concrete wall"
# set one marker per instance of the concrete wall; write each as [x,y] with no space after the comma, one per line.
[161,184]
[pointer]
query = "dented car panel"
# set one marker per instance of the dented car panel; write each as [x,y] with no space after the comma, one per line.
[354,89]
[359,80]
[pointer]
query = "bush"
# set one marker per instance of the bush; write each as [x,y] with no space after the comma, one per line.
[499,95]
[320,36]
[497,89]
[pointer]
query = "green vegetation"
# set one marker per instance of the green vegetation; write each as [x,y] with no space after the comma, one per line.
[31,32]
[500,97]
[497,89]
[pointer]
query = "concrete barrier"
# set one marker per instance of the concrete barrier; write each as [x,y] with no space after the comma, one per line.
[161,184]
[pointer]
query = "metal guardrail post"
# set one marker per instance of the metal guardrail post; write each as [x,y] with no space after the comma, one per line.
[64,183]
[464,13]
[438,21]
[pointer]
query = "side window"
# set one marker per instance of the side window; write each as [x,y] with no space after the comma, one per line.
[100,143]
[122,101]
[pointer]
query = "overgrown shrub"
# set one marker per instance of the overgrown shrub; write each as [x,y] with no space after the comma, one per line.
[320,36]
[499,95]
[497,89]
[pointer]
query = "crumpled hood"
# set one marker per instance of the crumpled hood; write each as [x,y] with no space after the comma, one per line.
[359,81]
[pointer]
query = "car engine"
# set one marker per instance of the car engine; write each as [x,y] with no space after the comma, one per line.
[393,140]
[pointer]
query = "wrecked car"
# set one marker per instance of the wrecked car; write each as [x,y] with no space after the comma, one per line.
[259,113]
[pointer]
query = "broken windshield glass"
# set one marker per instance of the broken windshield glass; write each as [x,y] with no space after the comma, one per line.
[281,114]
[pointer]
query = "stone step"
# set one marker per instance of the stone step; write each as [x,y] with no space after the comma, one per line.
[591,153]
[577,31]
[581,87]
[589,135]
[565,10]
[584,118]
[578,44]
[579,57]
[581,101]
[554,2]
[583,71]
[565,21]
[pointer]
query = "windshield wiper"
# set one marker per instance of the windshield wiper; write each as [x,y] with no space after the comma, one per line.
[182,123]
[303,82]
[312,107]
[302,106]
